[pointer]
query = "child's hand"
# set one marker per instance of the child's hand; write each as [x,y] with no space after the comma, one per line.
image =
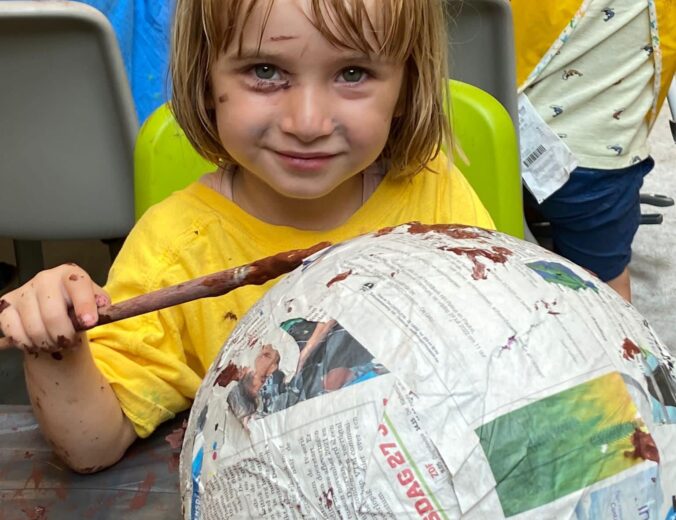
[36,315]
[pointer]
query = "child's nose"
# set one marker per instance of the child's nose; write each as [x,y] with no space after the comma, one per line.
[308,114]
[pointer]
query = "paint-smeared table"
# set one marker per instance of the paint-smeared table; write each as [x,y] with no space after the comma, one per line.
[35,485]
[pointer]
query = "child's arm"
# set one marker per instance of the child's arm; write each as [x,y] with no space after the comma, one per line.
[78,411]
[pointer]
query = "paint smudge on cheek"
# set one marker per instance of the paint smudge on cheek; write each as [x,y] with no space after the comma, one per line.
[223,98]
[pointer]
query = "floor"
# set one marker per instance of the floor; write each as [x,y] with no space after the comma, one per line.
[652,269]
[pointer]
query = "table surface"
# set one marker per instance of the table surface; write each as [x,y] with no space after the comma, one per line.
[36,485]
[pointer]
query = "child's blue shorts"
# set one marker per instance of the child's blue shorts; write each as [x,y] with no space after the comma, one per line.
[595,216]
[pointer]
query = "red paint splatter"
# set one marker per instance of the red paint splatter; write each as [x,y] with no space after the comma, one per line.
[549,307]
[629,349]
[173,462]
[230,373]
[37,513]
[141,497]
[328,498]
[452,230]
[496,254]
[175,438]
[339,278]
[36,476]
[61,491]
[644,447]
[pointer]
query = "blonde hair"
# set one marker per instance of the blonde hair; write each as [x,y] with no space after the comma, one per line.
[414,32]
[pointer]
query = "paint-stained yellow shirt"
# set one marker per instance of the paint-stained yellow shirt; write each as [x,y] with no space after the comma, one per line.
[156,362]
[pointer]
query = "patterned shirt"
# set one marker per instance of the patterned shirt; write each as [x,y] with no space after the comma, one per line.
[595,86]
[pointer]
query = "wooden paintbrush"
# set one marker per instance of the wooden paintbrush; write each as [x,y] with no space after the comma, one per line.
[216,284]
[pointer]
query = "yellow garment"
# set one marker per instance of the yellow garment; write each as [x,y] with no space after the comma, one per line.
[537,27]
[155,362]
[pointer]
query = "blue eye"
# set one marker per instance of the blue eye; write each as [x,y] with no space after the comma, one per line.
[352,74]
[265,71]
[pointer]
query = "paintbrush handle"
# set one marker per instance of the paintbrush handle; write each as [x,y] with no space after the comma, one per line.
[215,284]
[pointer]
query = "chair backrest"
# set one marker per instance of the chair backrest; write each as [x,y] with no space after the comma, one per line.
[165,161]
[67,124]
[481,48]
[488,140]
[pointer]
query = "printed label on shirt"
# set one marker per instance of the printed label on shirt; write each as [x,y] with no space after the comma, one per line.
[546,161]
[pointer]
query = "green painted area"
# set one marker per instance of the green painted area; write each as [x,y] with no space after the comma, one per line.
[560,444]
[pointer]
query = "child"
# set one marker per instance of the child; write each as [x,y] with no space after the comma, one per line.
[325,119]
[597,72]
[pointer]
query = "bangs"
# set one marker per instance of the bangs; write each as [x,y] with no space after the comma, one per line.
[372,27]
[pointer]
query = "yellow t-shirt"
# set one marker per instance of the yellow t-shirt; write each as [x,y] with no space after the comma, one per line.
[155,362]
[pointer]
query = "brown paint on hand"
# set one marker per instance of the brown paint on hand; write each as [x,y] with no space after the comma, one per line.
[230,373]
[141,497]
[629,349]
[339,278]
[73,278]
[644,447]
[63,342]
[4,304]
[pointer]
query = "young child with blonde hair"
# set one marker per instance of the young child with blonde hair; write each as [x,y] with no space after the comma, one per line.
[325,119]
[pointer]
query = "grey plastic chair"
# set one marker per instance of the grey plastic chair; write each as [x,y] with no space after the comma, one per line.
[67,132]
[481,48]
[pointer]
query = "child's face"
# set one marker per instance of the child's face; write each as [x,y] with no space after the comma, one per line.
[302,116]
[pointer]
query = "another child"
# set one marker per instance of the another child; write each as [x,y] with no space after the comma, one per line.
[597,72]
[325,119]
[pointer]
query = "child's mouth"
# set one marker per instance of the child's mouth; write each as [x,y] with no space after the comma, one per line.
[305,161]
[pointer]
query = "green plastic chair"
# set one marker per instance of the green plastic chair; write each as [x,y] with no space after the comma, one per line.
[165,161]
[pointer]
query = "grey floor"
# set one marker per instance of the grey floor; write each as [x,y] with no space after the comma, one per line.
[653,269]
